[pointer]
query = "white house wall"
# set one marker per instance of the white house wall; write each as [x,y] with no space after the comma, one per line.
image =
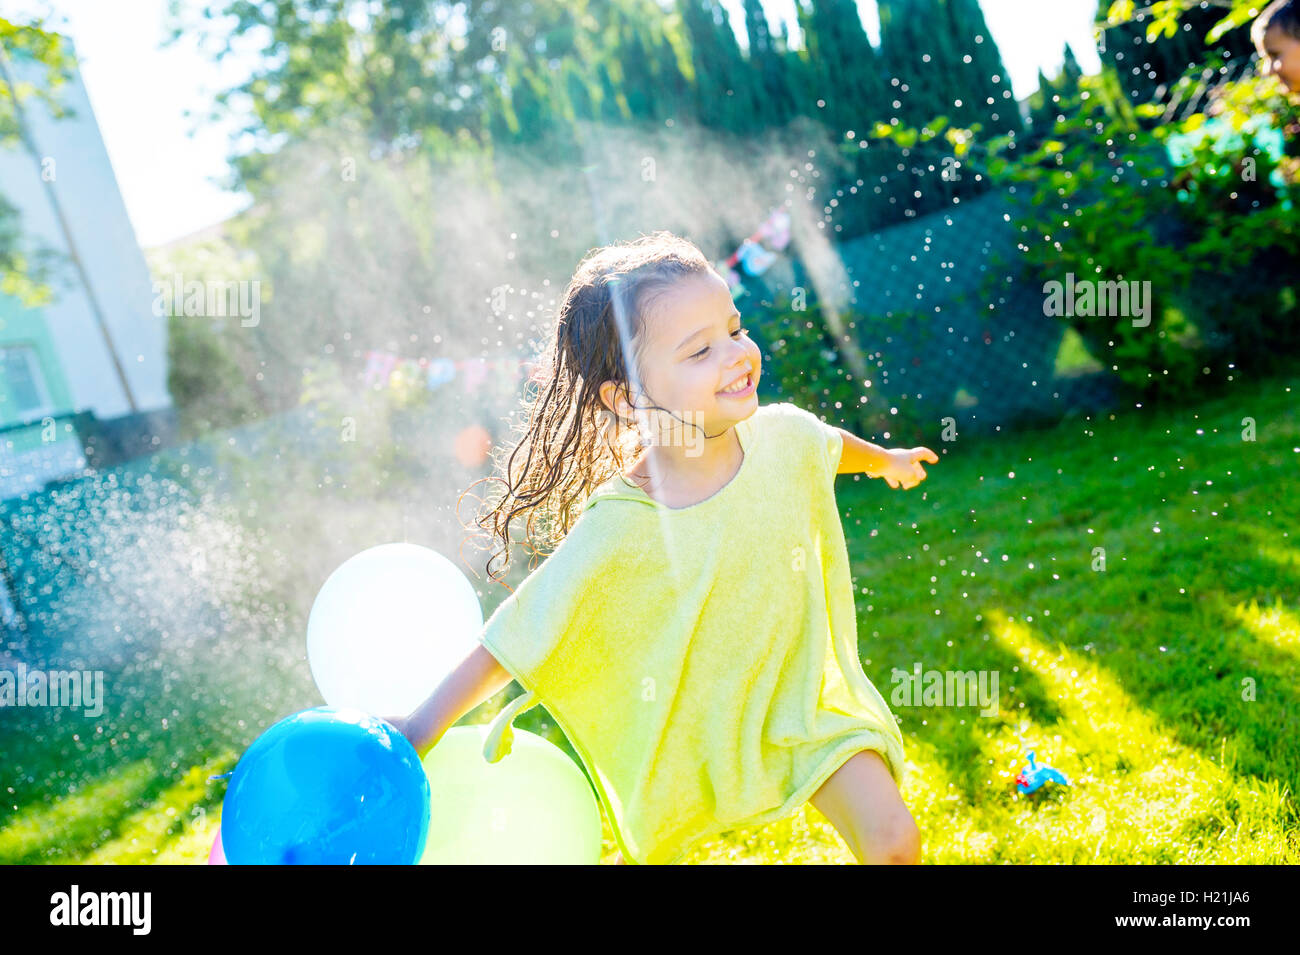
[114,265]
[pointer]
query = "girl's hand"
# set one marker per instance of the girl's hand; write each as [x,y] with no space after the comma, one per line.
[903,466]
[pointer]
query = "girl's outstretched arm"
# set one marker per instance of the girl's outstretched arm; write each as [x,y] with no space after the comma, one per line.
[896,465]
[861,457]
[477,678]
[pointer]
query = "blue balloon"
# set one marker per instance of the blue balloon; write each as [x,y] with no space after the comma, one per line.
[327,786]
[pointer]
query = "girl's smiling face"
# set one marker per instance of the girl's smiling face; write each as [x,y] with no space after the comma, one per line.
[696,349]
[1280,56]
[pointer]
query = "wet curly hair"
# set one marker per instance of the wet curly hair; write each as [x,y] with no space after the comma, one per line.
[573,442]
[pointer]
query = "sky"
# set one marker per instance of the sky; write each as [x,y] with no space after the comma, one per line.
[141,92]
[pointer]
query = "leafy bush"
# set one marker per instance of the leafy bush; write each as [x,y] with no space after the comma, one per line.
[208,387]
[1238,230]
[213,372]
[806,366]
[1102,199]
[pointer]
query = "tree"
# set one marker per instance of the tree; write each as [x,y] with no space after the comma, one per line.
[985,81]
[725,94]
[773,81]
[946,64]
[1054,98]
[1070,69]
[1152,48]
[25,270]
[843,68]
[910,49]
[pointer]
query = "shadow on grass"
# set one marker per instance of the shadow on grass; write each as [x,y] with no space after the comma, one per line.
[1178,500]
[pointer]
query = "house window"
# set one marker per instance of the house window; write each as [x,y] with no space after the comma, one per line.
[24,386]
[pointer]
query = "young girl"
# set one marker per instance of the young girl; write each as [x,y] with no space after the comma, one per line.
[694,632]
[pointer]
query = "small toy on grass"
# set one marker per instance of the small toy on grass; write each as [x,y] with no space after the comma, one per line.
[1032,777]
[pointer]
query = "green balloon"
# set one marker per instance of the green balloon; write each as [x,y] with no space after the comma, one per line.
[534,806]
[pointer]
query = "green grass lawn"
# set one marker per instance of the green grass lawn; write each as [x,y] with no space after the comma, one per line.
[1164,686]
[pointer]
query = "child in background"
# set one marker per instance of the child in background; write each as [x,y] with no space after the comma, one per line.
[694,632]
[1276,35]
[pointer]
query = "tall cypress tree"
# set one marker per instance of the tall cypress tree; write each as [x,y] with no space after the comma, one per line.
[611,110]
[1070,69]
[675,92]
[943,63]
[839,68]
[983,84]
[724,86]
[910,49]
[1054,97]
[773,83]
[635,59]
[578,91]
[528,101]
[946,64]
[843,68]
[1042,110]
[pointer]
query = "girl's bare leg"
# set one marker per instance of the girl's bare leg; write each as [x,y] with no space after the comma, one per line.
[863,804]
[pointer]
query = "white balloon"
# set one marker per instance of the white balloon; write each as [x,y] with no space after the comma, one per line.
[388,625]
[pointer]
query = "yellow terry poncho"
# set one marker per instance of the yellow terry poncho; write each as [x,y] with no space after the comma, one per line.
[703,661]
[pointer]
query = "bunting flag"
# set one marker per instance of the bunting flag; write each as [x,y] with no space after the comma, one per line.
[379,365]
[734,281]
[776,230]
[754,258]
[472,373]
[757,252]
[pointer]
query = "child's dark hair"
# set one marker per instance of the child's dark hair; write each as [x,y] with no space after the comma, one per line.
[573,442]
[1283,14]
